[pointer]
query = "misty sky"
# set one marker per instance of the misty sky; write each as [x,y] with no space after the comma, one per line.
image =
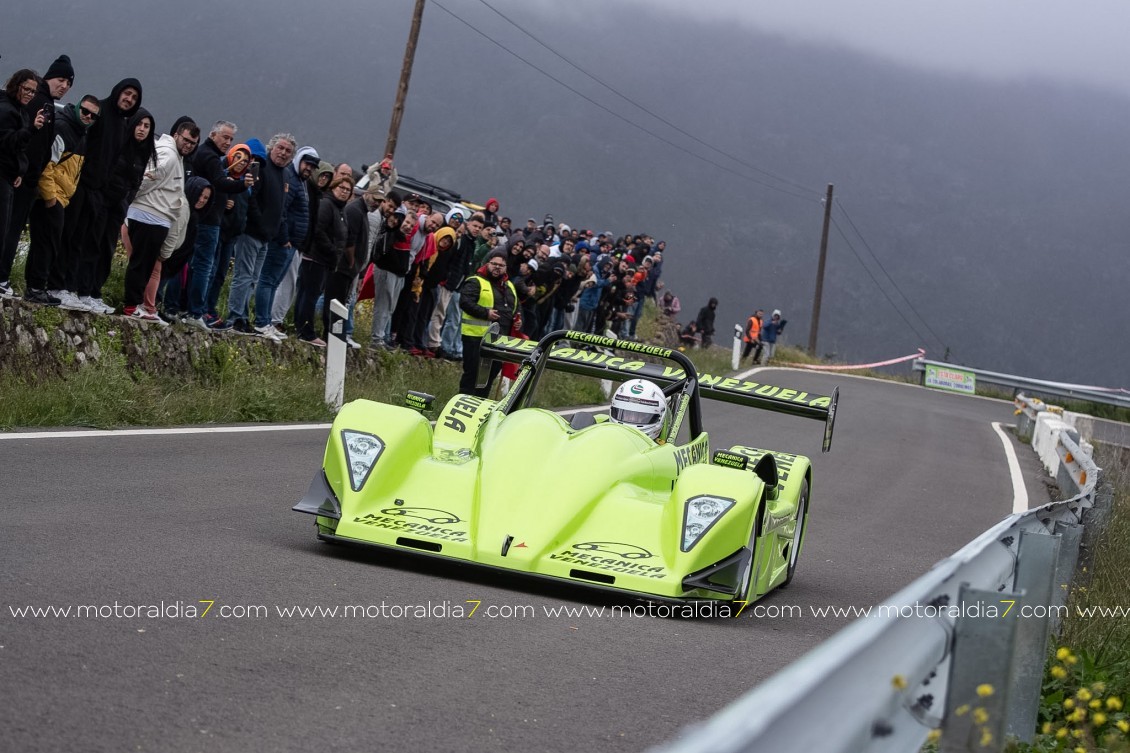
[1075,42]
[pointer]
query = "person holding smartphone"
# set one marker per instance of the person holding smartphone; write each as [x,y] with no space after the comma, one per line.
[16,129]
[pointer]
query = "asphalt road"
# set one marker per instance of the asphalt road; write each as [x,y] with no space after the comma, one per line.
[187,519]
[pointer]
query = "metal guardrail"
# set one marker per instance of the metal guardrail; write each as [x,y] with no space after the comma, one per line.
[971,635]
[1040,386]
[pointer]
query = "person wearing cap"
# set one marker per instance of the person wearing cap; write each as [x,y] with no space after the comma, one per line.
[487,297]
[56,82]
[770,331]
[208,163]
[383,175]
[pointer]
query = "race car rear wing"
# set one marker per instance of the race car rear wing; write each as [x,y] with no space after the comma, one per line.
[608,358]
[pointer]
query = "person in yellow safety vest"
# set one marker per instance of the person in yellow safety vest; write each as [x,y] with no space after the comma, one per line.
[487,296]
[752,335]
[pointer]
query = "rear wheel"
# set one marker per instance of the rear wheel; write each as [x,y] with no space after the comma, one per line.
[798,532]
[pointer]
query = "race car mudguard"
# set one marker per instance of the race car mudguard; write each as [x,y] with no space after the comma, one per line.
[596,356]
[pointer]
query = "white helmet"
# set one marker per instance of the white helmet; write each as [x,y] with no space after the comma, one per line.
[641,404]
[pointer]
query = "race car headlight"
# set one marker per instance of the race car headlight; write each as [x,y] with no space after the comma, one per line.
[700,514]
[361,452]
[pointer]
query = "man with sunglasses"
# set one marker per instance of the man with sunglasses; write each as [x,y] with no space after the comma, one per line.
[56,186]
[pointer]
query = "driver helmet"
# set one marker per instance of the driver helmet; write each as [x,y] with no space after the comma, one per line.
[641,404]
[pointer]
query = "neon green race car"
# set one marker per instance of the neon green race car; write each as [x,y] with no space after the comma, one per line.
[504,485]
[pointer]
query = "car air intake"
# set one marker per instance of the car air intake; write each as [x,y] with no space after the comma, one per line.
[594,577]
[427,546]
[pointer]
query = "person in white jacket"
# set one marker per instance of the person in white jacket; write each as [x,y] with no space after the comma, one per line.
[158,215]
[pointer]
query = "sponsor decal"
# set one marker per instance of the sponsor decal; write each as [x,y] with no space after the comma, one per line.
[693,454]
[430,514]
[730,460]
[785,461]
[610,564]
[637,389]
[416,528]
[459,415]
[627,551]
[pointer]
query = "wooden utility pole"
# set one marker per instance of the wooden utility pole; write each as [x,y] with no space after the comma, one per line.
[405,75]
[820,273]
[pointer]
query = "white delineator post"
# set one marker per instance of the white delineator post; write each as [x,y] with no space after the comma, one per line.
[737,357]
[335,355]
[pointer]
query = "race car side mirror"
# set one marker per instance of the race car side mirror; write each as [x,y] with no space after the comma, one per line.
[420,401]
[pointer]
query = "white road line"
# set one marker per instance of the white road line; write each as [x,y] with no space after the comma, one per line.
[1019,491]
[88,433]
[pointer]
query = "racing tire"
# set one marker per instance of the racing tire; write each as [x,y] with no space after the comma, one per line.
[798,533]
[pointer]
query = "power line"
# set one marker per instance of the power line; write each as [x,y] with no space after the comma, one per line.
[890,279]
[617,115]
[921,337]
[636,104]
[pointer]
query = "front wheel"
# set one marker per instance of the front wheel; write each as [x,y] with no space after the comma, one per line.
[798,532]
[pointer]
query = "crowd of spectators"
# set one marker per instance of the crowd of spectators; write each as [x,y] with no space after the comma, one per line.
[193,206]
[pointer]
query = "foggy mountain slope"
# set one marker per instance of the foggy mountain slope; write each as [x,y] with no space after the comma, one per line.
[997,208]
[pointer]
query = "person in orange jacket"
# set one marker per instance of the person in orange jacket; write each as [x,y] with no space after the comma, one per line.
[752,335]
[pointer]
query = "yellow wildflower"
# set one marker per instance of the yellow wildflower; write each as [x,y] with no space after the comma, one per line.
[1061,733]
[1096,704]
[1123,725]
[1114,703]
[1072,659]
[1098,688]
[1077,733]
[1047,728]
[1099,719]
[898,682]
[1063,653]
[962,710]
[1083,694]
[1069,703]
[1058,672]
[984,690]
[987,738]
[1080,749]
[934,736]
[980,715]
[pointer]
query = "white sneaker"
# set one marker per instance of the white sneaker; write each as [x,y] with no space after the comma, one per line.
[279,334]
[146,315]
[268,333]
[352,343]
[196,322]
[91,306]
[71,302]
[101,307]
[6,290]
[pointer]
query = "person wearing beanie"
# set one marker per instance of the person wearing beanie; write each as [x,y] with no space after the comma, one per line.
[234,219]
[50,89]
[490,213]
[487,297]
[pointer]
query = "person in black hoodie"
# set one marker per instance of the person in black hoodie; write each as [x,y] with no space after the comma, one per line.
[330,235]
[56,83]
[88,238]
[16,129]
